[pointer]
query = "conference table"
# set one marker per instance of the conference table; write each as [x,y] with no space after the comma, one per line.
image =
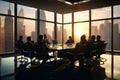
[64,52]
[58,49]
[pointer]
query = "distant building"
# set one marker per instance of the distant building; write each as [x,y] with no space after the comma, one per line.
[20,25]
[8,31]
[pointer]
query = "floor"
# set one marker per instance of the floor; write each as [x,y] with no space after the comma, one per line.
[59,70]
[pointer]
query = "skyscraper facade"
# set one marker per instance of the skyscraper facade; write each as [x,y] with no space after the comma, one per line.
[20,25]
[8,33]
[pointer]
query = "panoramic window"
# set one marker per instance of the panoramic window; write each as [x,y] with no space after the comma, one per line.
[116,11]
[59,18]
[101,13]
[102,28]
[81,16]
[6,8]
[26,27]
[59,33]
[80,29]
[67,17]
[67,31]
[25,11]
[48,29]
[46,15]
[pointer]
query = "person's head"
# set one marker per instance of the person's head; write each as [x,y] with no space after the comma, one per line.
[83,37]
[28,38]
[21,38]
[98,37]
[40,37]
[45,36]
[70,37]
[93,37]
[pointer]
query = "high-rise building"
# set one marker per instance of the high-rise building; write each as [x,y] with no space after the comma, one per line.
[8,31]
[20,25]
[116,37]
[94,30]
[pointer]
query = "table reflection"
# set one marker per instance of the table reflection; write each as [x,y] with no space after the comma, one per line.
[62,46]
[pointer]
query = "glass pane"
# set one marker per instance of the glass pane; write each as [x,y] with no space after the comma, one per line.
[79,30]
[26,28]
[46,15]
[103,28]
[59,33]
[81,16]
[116,35]
[6,8]
[25,11]
[116,10]
[107,65]
[101,13]
[116,67]
[48,29]
[6,34]
[67,17]
[67,31]
[59,18]
[7,66]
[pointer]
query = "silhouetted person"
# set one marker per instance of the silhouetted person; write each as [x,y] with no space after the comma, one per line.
[100,45]
[19,44]
[70,40]
[90,46]
[45,39]
[81,46]
[41,49]
[29,48]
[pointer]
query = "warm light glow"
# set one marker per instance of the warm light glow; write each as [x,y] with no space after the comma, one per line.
[79,33]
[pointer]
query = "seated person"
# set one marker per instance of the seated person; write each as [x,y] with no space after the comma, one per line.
[100,45]
[81,46]
[41,49]
[70,40]
[19,45]
[78,50]
[91,46]
[29,48]
[45,39]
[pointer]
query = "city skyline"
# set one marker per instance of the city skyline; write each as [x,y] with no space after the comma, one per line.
[29,28]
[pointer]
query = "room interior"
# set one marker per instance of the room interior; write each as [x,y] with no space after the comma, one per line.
[63,13]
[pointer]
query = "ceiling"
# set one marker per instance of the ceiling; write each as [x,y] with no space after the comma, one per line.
[61,7]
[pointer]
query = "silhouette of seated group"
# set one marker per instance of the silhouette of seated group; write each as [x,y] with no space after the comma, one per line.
[85,49]
[38,50]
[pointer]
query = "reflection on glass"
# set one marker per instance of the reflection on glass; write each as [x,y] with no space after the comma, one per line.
[107,64]
[116,35]
[5,6]
[116,11]
[6,34]
[80,29]
[26,28]
[7,66]
[116,67]
[81,16]
[102,28]
[101,13]
[46,15]
[48,29]
[59,33]
[67,31]
[25,11]
[67,17]
[59,18]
